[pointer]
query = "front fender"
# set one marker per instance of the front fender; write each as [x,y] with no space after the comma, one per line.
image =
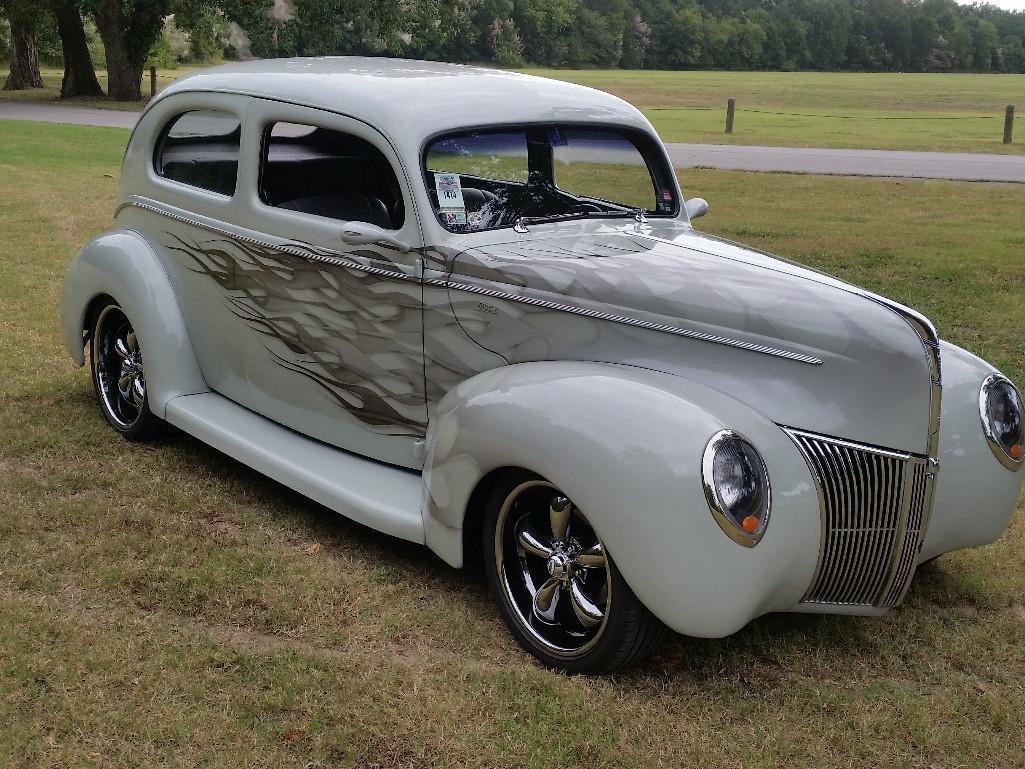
[123,265]
[626,445]
[975,495]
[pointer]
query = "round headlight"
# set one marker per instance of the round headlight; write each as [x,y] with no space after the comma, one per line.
[1001,410]
[736,487]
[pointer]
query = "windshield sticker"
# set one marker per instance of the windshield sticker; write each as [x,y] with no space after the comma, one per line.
[452,217]
[450,192]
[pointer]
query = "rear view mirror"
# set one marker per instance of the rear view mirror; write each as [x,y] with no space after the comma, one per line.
[696,207]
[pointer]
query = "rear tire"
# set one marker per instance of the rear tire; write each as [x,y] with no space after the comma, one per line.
[119,380]
[557,588]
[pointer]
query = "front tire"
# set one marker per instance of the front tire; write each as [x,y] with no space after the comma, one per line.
[556,586]
[118,374]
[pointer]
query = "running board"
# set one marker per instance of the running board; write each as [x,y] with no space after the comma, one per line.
[384,498]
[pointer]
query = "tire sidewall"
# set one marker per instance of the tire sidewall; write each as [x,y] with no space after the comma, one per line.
[604,655]
[146,424]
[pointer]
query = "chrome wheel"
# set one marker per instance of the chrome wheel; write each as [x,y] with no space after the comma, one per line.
[552,569]
[119,373]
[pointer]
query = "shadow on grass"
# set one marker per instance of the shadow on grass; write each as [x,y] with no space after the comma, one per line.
[769,642]
[768,652]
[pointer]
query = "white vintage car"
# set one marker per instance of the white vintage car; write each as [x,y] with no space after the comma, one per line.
[468,308]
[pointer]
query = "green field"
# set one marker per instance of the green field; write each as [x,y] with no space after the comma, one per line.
[162,605]
[933,112]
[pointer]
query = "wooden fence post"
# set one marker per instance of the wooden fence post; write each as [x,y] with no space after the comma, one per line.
[152,82]
[1009,124]
[731,108]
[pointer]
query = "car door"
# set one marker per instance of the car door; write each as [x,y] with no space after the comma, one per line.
[185,191]
[332,333]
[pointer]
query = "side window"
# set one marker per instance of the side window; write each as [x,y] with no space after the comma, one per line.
[200,148]
[328,173]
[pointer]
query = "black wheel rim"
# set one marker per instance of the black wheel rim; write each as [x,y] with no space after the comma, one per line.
[553,570]
[120,377]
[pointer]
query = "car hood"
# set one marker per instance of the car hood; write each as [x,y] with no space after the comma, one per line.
[805,349]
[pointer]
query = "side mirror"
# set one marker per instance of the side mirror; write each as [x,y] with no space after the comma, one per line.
[364,233]
[696,207]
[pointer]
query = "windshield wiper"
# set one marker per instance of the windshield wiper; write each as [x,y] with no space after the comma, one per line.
[520,225]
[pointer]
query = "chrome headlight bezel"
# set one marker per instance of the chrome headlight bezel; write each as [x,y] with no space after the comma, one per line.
[1001,452]
[720,512]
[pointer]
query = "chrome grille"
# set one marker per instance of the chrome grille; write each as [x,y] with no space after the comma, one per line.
[874,509]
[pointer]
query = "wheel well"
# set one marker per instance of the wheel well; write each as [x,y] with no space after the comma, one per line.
[473,520]
[96,304]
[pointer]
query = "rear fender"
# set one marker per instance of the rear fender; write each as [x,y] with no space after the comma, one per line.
[626,445]
[122,264]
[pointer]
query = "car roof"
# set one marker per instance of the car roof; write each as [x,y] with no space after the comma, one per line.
[409,100]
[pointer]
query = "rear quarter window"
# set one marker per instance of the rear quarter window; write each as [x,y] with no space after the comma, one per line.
[200,148]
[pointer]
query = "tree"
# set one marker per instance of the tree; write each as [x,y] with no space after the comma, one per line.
[79,74]
[829,25]
[985,44]
[635,43]
[547,27]
[22,15]
[505,44]
[679,38]
[128,29]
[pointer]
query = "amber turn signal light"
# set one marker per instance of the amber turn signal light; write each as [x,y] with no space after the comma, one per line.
[750,524]
[1016,451]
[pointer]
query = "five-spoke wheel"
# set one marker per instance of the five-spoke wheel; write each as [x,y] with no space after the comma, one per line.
[119,375]
[558,589]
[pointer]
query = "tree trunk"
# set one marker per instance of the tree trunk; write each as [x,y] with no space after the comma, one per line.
[124,82]
[24,57]
[79,75]
[126,41]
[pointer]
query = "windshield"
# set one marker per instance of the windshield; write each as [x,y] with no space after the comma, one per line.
[485,179]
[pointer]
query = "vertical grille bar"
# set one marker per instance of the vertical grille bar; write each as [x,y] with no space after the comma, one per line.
[912,538]
[873,503]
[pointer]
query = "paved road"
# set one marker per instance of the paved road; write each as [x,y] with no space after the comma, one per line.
[801,160]
[58,113]
[808,160]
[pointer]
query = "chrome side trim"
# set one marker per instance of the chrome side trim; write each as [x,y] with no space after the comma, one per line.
[627,321]
[293,248]
[313,253]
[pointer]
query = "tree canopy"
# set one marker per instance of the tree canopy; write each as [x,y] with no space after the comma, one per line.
[856,35]
[871,35]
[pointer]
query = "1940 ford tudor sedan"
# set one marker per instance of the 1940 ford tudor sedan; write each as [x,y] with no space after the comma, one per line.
[468,308]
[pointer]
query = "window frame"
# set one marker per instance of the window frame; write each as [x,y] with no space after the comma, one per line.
[264,151]
[161,141]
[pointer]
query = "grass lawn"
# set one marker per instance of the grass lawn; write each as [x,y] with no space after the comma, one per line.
[164,606]
[50,93]
[933,112]
[927,112]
